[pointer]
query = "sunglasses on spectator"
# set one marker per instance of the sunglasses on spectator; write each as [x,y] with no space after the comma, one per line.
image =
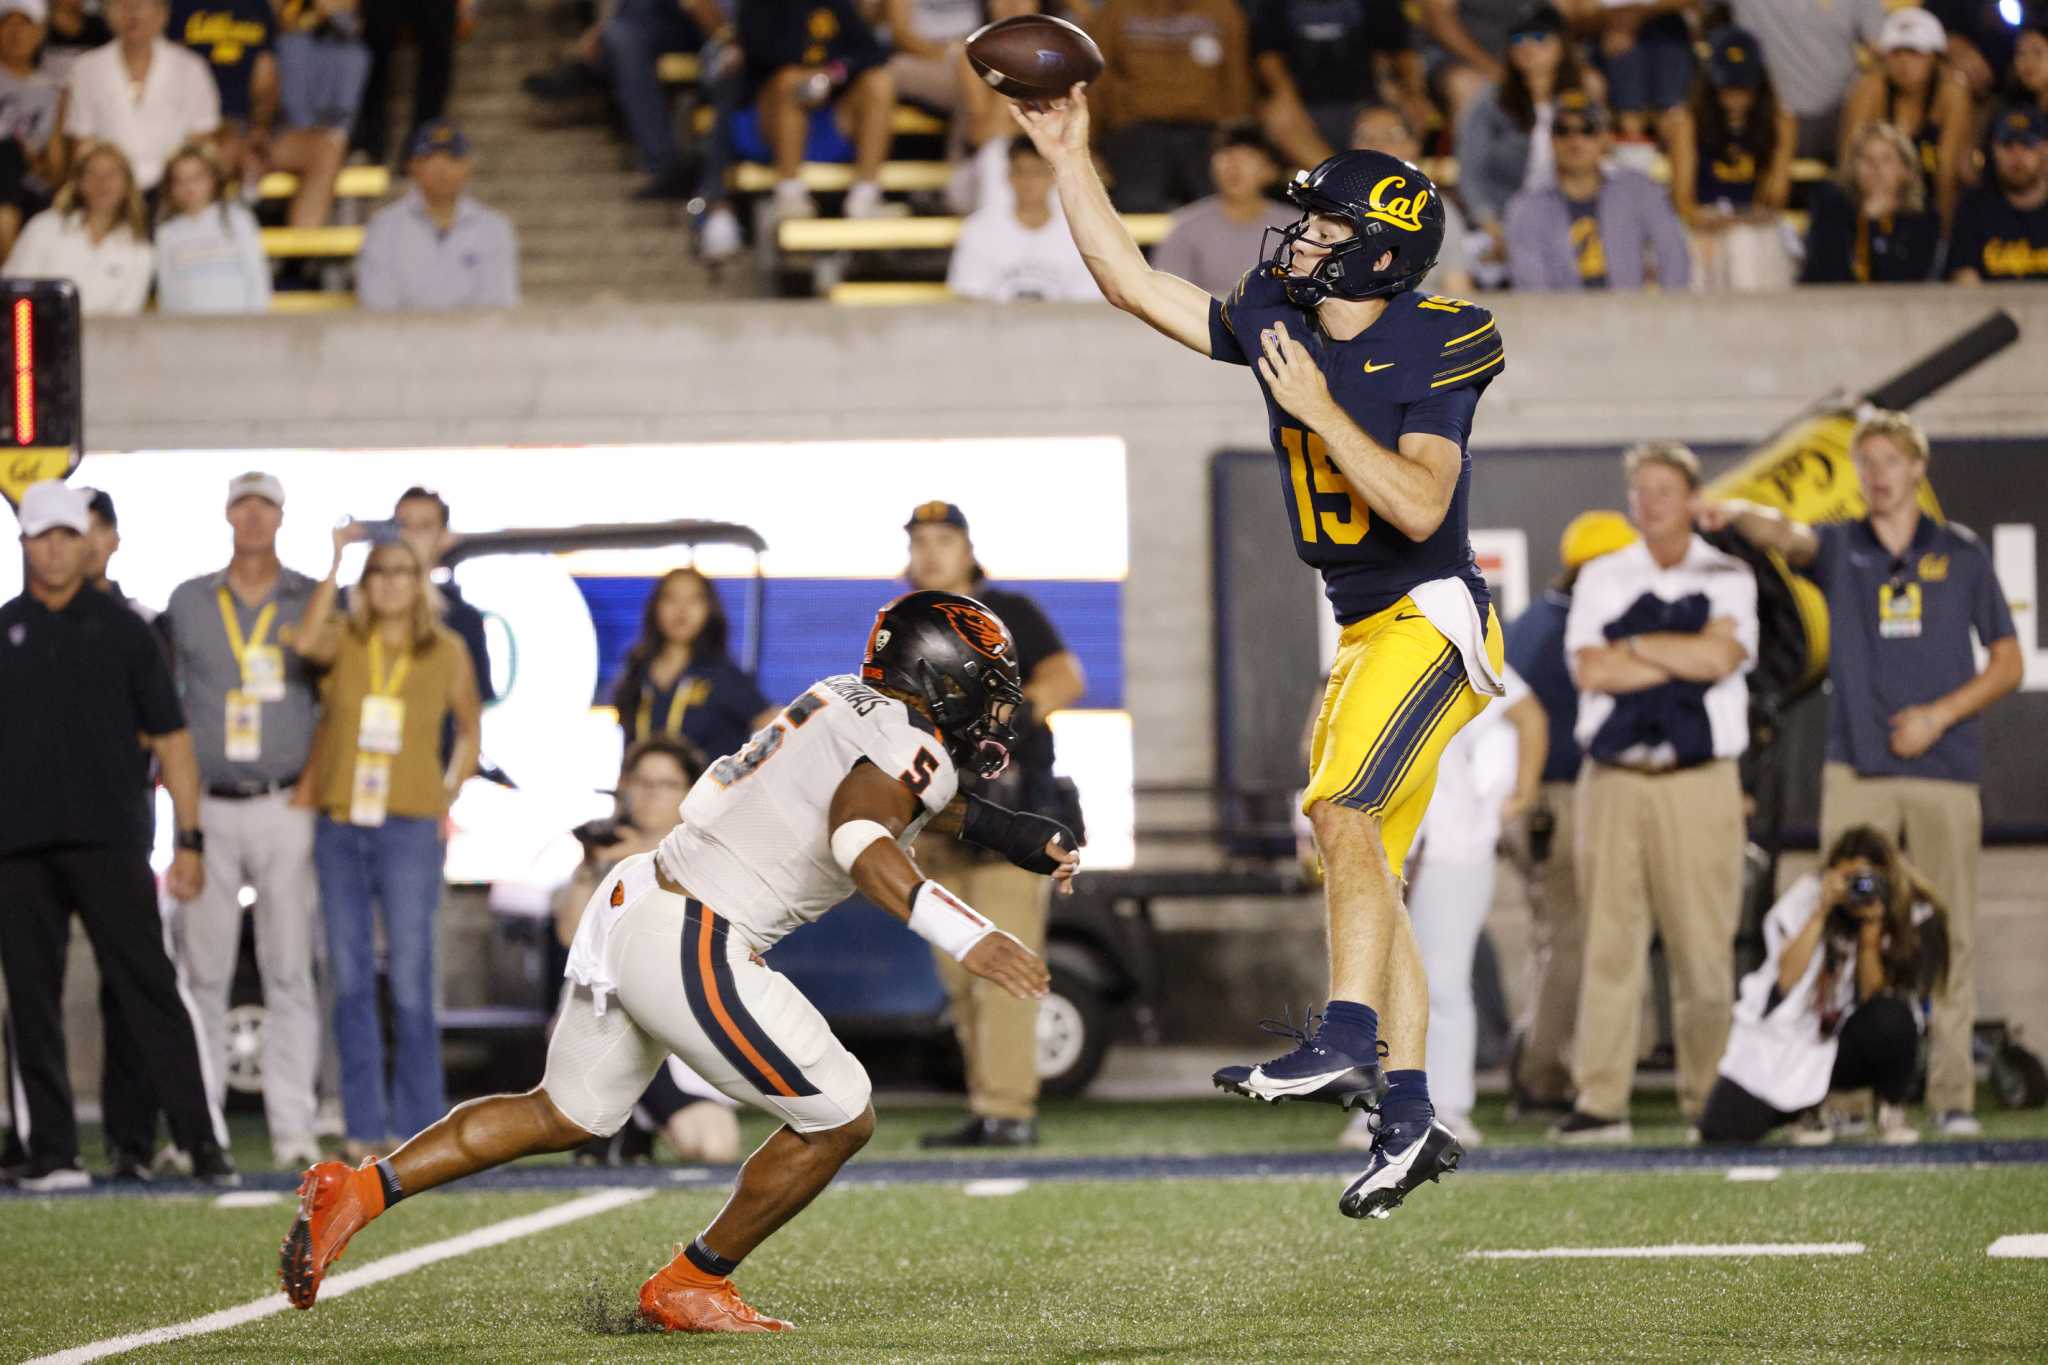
[1575,128]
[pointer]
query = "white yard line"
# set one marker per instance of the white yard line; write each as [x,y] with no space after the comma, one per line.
[1750,1175]
[1677,1250]
[2031,1246]
[995,1189]
[362,1277]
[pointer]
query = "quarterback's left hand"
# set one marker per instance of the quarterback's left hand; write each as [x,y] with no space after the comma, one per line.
[1291,373]
[1067,861]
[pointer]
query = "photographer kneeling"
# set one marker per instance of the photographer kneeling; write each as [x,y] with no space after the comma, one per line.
[698,1122]
[1848,953]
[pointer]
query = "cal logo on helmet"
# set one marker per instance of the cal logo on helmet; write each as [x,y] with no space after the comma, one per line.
[976,628]
[1403,211]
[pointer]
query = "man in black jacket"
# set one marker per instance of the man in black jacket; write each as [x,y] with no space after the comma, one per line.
[84,677]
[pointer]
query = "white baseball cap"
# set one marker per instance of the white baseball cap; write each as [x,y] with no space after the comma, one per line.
[255,484]
[1912,30]
[53,503]
[38,10]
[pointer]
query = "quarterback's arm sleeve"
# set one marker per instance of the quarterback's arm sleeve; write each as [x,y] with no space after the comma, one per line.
[1223,343]
[1446,412]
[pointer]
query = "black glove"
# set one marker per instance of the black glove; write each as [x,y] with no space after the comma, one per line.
[1018,835]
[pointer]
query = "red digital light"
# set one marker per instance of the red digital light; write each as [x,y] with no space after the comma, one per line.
[24,373]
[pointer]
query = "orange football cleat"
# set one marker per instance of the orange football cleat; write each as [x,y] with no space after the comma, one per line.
[680,1298]
[335,1201]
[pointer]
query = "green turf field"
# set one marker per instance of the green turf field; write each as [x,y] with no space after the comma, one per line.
[1109,1270]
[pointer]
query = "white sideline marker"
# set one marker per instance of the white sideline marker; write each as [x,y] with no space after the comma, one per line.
[248,1199]
[362,1277]
[995,1189]
[2028,1246]
[1753,1175]
[1677,1251]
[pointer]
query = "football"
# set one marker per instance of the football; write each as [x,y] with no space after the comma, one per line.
[1033,57]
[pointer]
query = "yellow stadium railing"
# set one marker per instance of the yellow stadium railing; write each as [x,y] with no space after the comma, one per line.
[916,234]
[355,182]
[337,242]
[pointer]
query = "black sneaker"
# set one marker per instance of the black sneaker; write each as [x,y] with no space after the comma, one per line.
[981,1132]
[1313,1070]
[41,1175]
[632,1145]
[212,1167]
[1393,1172]
[1580,1129]
[129,1167]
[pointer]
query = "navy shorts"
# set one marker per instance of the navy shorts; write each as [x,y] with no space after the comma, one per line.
[1654,74]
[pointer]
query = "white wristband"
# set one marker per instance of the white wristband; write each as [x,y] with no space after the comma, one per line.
[854,838]
[945,921]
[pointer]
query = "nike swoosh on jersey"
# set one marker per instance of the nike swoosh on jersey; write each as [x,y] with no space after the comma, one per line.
[1371,368]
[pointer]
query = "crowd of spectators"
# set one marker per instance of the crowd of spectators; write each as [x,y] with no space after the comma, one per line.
[1687,120]
[133,143]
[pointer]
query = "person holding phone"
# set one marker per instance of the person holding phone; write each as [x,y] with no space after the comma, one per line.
[383,789]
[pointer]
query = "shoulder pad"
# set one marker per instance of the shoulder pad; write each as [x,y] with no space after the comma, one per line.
[1456,344]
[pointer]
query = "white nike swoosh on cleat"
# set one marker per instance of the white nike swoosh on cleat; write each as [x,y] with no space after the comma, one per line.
[1267,1085]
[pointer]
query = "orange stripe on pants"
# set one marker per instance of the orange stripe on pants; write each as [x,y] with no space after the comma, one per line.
[725,1020]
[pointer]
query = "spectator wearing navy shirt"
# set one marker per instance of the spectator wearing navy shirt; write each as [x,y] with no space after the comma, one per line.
[1905,750]
[1539,1074]
[236,39]
[437,249]
[678,679]
[1873,225]
[1316,61]
[2001,232]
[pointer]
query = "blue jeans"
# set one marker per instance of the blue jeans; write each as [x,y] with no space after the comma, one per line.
[397,867]
[634,40]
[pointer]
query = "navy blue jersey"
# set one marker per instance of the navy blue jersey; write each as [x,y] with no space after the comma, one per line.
[1419,368]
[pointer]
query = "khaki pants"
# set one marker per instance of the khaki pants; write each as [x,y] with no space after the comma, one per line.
[267,843]
[1665,847]
[1943,827]
[1557,937]
[998,1033]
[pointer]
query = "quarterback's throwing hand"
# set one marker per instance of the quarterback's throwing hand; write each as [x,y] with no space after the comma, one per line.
[1297,383]
[1002,959]
[1060,129]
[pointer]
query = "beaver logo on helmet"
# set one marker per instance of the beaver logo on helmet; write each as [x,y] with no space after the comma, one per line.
[957,657]
[974,625]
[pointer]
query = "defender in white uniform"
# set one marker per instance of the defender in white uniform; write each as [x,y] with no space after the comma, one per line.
[822,801]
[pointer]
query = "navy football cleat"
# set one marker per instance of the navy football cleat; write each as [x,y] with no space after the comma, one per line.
[1314,1070]
[1391,1174]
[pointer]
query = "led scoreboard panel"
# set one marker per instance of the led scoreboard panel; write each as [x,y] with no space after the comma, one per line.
[42,417]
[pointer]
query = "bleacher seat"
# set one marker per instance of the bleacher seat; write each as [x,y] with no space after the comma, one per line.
[355,182]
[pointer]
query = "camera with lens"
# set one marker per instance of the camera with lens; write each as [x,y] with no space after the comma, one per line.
[1865,888]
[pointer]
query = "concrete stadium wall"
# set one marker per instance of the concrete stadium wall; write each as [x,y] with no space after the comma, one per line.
[1583,371]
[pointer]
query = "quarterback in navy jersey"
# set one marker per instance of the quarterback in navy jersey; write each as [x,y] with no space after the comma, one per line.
[1370,389]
